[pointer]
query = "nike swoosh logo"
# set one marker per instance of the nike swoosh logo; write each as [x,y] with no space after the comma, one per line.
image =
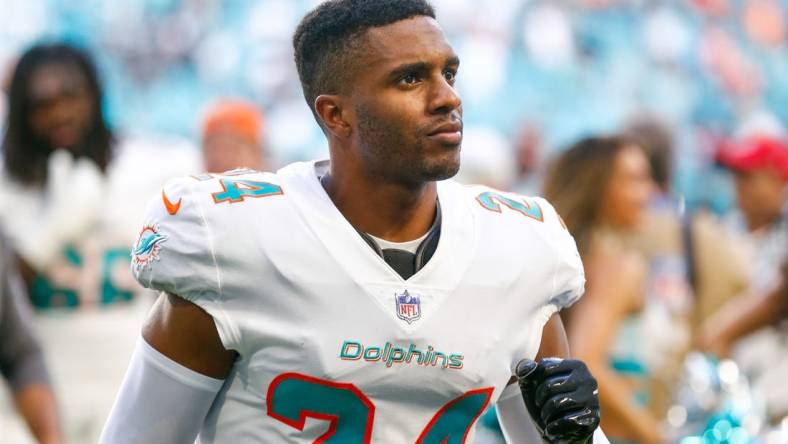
[172,208]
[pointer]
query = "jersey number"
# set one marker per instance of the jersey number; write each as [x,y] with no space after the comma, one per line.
[234,191]
[527,207]
[293,397]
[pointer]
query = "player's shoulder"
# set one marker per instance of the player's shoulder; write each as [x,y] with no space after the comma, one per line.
[233,185]
[208,191]
[509,208]
[181,219]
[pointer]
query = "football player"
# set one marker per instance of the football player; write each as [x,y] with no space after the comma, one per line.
[362,299]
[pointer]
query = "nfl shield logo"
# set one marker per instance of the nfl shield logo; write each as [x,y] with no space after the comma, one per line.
[408,306]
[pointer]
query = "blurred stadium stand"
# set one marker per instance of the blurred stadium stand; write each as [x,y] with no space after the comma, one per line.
[709,68]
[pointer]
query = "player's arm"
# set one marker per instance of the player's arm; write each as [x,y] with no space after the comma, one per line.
[185,351]
[183,332]
[558,393]
[175,373]
[554,342]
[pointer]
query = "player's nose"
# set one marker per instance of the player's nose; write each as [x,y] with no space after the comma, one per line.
[444,98]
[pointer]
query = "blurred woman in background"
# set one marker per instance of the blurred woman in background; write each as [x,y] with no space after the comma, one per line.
[601,186]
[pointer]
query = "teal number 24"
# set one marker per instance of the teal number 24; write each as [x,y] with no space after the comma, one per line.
[235,191]
[293,397]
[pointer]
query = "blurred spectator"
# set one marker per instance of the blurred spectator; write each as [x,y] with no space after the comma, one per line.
[760,174]
[21,359]
[655,137]
[232,137]
[55,153]
[693,264]
[601,187]
[745,316]
[70,188]
[54,104]
[71,195]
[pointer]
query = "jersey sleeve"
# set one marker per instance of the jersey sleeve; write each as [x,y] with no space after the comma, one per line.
[174,253]
[569,276]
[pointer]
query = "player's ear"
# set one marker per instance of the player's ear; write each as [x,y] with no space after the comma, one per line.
[330,109]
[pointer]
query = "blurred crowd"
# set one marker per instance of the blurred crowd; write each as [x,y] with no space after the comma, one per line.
[657,129]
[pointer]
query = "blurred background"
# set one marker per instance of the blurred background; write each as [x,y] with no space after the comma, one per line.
[671,115]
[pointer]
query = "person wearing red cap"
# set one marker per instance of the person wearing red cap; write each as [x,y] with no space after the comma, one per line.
[760,167]
[231,137]
[760,171]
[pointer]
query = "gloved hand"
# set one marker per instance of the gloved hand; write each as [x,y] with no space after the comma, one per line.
[71,205]
[562,398]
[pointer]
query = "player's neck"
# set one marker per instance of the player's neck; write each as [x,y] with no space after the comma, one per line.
[389,211]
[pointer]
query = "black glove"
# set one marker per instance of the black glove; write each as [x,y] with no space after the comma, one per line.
[562,398]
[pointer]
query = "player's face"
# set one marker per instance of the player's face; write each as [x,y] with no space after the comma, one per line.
[408,116]
[760,195]
[628,190]
[61,105]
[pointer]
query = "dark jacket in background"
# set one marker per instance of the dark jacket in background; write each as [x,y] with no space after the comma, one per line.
[21,358]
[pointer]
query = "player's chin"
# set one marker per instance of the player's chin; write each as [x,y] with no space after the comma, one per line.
[443,166]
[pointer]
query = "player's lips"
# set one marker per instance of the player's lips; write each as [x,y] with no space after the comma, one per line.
[449,133]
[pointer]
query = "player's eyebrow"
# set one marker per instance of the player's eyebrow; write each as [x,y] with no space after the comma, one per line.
[409,68]
[421,67]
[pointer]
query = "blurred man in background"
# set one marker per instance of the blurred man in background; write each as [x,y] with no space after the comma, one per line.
[760,174]
[21,360]
[232,137]
[71,192]
[56,150]
[71,189]
[744,316]
[759,165]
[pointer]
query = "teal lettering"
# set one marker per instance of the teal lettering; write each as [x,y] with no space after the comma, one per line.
[397,355]
[413,351]
[368,354]
[346,354]
[435,357]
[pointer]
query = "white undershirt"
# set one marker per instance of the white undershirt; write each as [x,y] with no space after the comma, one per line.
[409,246]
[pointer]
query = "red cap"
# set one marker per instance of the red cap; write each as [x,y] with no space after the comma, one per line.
[755,153]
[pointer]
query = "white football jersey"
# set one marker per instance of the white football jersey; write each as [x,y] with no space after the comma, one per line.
[334,346]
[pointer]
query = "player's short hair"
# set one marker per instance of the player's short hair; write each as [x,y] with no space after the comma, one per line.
[326,36]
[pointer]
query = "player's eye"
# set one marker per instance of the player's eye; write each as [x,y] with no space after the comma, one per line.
[410,79]
[450,75]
